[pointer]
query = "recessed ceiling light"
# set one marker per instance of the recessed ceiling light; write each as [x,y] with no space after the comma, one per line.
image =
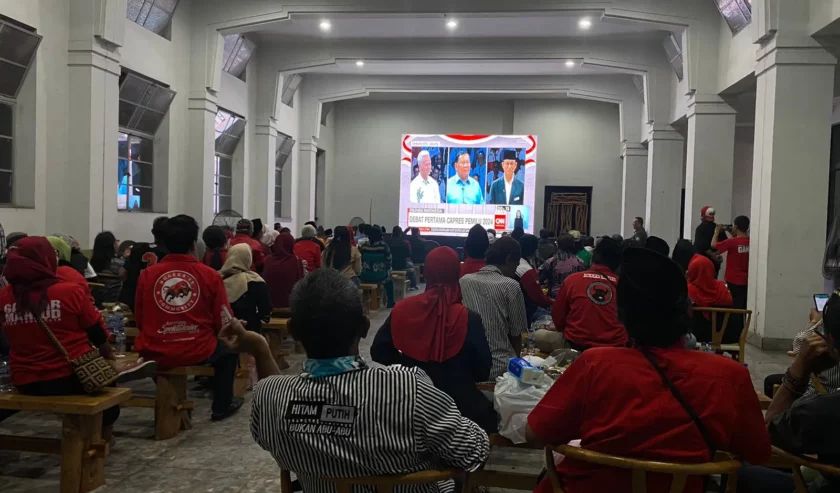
[585,23]
[570,63]
[360,63]
[325,25]
[452,24]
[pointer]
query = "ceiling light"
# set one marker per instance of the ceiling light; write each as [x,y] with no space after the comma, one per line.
[570,63]
[585,23]
[360,63]
[325,26]
[452,24]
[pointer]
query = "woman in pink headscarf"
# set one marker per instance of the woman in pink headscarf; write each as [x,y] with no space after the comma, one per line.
[436,332]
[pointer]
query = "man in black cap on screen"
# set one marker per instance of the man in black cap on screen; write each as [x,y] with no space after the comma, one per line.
[507,190]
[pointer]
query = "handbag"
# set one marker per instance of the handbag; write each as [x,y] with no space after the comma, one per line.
[93,372]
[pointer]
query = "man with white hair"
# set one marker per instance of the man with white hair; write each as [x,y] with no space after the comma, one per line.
[424,189]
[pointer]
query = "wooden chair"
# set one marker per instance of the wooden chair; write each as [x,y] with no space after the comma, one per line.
[799,461]
[386,484]
[640,468]
[81,447]
[719,330]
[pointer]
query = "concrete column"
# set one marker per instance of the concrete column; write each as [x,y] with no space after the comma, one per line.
[634,182]
[199,167]
[709,161]
[261,183]
[303,178]
[664,183]
[795,84]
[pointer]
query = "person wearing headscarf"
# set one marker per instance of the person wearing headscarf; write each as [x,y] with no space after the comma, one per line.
[342,255]
[77,259]
[437,333]
[283,269]
[246,290]
[706,291]
[475,247]
[308,248]
[633,390]
[268,240]
[244,234]
[65,271]
[37,367]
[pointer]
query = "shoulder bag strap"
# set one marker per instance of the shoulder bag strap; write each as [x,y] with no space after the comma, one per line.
[688,409]
[52,337]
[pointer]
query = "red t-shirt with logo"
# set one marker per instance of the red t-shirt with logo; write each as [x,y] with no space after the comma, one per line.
[613,400]
[69,313]
[585,309]
[737,259]
[178,309]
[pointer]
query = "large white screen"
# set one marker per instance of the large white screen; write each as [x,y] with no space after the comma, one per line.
[448,183]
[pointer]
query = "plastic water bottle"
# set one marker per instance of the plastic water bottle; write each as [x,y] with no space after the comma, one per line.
[532,342]
[119,342]
[5,376]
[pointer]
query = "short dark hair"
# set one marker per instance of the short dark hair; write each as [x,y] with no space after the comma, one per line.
[640,219]
[502,250]
[458,156]
[181,234]
[214,237]
[159,229]
[374,234]
[589,241]
[415,231]
[311,223]
[492,232]
[607,253]
[327,314]
[742,223]
[285,230]
[545,234]
[617,237]
[397,232]
[566,243]
[528,244]
[476,244]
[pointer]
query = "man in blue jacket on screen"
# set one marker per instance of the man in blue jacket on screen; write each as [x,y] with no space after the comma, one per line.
[508,189]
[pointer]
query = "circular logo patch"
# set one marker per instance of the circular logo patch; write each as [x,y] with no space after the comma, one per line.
[600,293]
[176,292]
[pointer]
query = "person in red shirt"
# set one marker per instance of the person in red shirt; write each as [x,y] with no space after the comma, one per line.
[37,367]
[216,242]
[623,401]
[180,308]
[737,250]
[585,307]
[308,249]
[475,247]
[244,234]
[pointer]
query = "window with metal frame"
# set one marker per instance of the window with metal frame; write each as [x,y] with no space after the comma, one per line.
[135,169]
[736,13]
[143,103]
[18,45]
[229,129]
[154,15]
[237,53]
[285,144]
[7,126]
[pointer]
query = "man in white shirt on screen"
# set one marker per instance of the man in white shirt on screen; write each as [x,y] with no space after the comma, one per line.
[424,189]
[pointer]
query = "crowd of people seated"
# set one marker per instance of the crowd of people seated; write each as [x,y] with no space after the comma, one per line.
[637,390]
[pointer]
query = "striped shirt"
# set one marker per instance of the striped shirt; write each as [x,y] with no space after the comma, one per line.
[368,422]
[498,299]
[830,378]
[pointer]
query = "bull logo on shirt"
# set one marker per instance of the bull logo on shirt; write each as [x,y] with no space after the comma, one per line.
[176,292]
[600,293]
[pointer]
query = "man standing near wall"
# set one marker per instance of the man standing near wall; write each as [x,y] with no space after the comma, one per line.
[639,234]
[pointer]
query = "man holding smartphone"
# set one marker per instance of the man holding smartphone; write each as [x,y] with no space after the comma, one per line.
[737,250]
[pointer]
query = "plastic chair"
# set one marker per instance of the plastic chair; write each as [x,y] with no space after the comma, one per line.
[718,331]
[640,468]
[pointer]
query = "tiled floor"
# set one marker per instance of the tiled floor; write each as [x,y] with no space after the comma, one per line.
[214,457]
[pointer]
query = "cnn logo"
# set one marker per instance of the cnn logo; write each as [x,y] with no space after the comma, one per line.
[500,221]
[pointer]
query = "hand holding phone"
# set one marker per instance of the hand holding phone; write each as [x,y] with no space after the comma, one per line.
[819,301]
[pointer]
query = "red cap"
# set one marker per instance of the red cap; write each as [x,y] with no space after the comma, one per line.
[708,213]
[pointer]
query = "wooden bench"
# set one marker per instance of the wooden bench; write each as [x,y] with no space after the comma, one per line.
[275,331]
[370,294]
[401,284]
[418,271]
[81,447]
[171,405]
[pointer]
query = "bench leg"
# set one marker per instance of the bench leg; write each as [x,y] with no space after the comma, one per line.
[275,342]
[81,463]
[374,300]
[171,413]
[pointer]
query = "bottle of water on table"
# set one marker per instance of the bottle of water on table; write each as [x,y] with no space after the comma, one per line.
[532,342]
[5,376]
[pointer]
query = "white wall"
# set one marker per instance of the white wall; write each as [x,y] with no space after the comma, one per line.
[578,146]
[736,56]
[742,172]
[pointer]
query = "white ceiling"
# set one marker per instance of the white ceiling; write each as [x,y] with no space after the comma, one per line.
[460,67]
[448,96]
[367,26]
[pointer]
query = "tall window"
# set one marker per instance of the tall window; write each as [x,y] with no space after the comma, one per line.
[284,148]
[229,128]
[143,106]
[154,15]
[237,53]
[737,13]
[6,131]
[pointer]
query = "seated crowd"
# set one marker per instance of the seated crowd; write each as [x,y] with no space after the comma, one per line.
[639,388]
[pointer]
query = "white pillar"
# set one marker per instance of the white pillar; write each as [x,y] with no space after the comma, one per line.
[303,176]
[634,186]
[262,170]
[199,168]
[664,183]
[795,87]
[709,161]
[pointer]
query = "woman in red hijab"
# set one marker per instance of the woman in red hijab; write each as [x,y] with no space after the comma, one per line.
[37,367]
[283,269]
[705,291]
[437,333]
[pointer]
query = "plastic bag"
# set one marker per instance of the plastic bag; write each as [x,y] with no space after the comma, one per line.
[513,401]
